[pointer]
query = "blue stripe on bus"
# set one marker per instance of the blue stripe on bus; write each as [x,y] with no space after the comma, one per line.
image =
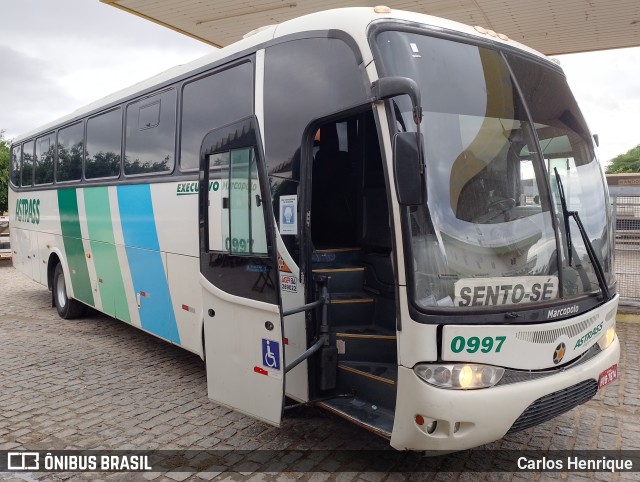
[145,261]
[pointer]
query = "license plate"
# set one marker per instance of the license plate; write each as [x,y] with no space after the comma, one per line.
[608,376]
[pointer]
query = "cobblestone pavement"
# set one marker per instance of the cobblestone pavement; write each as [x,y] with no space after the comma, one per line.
[97,383]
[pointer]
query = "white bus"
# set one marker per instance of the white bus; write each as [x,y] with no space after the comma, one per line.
[396,217]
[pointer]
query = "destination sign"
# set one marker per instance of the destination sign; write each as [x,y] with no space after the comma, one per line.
[505,290]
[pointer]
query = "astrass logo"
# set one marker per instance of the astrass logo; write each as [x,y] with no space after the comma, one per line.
[585,338]
[558,354]
[28,210]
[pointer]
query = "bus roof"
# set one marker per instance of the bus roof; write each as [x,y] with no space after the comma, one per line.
[353,21]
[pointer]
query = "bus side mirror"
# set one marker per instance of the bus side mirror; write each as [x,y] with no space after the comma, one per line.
[596,139]
[408,169]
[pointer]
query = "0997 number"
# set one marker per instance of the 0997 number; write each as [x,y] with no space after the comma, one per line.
[238,245]
[473,344]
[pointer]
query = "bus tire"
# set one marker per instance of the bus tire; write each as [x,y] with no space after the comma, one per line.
[68,308]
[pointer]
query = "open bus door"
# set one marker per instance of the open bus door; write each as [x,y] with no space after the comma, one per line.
[238,271]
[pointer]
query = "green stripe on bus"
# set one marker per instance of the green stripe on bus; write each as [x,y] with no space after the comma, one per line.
[74,250]
[104,253]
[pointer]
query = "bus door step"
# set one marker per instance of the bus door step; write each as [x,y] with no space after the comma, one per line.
[375,382]
[367,343]
[378,420]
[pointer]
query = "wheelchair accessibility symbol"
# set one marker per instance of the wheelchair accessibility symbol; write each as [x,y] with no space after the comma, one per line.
[270,354]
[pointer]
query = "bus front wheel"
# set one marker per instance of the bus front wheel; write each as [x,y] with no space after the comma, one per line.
[67,308]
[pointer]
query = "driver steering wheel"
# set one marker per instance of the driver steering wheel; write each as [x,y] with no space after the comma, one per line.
[495,209]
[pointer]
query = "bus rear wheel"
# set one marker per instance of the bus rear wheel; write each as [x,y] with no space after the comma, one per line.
[67,308]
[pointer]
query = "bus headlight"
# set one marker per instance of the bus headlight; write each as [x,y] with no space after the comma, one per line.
[459,376]
[608,337]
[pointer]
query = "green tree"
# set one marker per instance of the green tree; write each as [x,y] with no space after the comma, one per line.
[4,172]
[627,162]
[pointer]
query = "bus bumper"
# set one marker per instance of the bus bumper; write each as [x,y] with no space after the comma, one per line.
[470,418]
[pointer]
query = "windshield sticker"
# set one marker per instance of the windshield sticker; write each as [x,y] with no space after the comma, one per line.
[505,290]
[288,214]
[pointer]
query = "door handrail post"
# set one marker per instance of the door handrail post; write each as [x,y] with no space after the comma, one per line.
[323,300]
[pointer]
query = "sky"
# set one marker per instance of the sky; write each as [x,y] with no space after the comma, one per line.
[58,55]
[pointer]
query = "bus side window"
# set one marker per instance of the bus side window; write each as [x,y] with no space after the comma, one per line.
[246,213]
[45,153]
[104,141]
[236,211]
[203,108]
[235,199]
[15,165]
[326,79]
[150,136]
[27,164]
[70,150]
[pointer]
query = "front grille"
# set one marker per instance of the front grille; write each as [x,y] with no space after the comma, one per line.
[552,335]
[554,404]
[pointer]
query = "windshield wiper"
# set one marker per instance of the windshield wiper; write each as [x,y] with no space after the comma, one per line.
[566,214]
[595,262]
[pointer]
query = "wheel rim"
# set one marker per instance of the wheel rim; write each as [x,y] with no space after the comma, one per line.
[61,291]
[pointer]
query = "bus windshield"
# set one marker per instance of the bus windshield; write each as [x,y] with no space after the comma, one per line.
[495,126]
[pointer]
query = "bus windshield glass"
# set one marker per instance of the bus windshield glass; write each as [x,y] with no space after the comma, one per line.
[495,126]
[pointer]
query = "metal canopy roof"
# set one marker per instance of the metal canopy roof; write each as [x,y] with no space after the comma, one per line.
[550,26]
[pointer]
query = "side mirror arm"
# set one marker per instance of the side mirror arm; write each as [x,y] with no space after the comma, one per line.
[388,87]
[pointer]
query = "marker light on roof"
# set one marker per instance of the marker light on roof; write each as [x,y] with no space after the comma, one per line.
[491,33]
[382,9]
